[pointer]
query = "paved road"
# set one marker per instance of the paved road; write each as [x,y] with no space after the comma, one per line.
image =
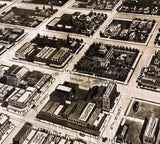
[127,91]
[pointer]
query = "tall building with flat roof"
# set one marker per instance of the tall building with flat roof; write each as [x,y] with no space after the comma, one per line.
[109,96]
[22,134]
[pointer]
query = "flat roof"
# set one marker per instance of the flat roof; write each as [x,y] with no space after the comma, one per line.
[39,138]
[60,53]
[31,134]
[62,141]
[57,111]
[24,97]
[23,131]
[69,108]
[64,88]
[87,111]
[47,106]
[94,116]
[151,127]
[77,142]
[48,53]
[68,142]
[31,89]
[42,52]
[25,48]
[109,88]
[13,96]
[53,108]
[3,119]
[101,115]
[22,71]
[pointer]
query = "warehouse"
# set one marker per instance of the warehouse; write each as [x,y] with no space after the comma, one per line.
[26,51]
[60,56]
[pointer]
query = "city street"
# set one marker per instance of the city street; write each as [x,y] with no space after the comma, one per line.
[127,91]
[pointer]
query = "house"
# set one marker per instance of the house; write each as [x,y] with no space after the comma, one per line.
[113,30]
[146,10]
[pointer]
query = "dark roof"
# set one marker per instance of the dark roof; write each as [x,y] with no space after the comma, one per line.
[36,75]
[158,55]
[11,69]
[69,109]
[22,132]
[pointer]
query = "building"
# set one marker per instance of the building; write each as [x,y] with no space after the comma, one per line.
[46,78]
[60,56]
[70,109]
[15,74]
[109,96]
[12,37]
[148,81]
[74,117]
[18,31]
[5,91]
[102,50]
[78,142]
[20,97]
[65,92]
[38,138]
[4,124]
[151,131]
[45,54]
[26,51]
[22,134]
[72,105]
[87,111]
[34,77]
[122,132]
[94,116]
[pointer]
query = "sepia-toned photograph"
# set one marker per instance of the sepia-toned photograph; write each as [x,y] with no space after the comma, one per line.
[79,71]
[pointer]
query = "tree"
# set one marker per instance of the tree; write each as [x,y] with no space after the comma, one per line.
[136,106]
[101,34]
[37,8]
